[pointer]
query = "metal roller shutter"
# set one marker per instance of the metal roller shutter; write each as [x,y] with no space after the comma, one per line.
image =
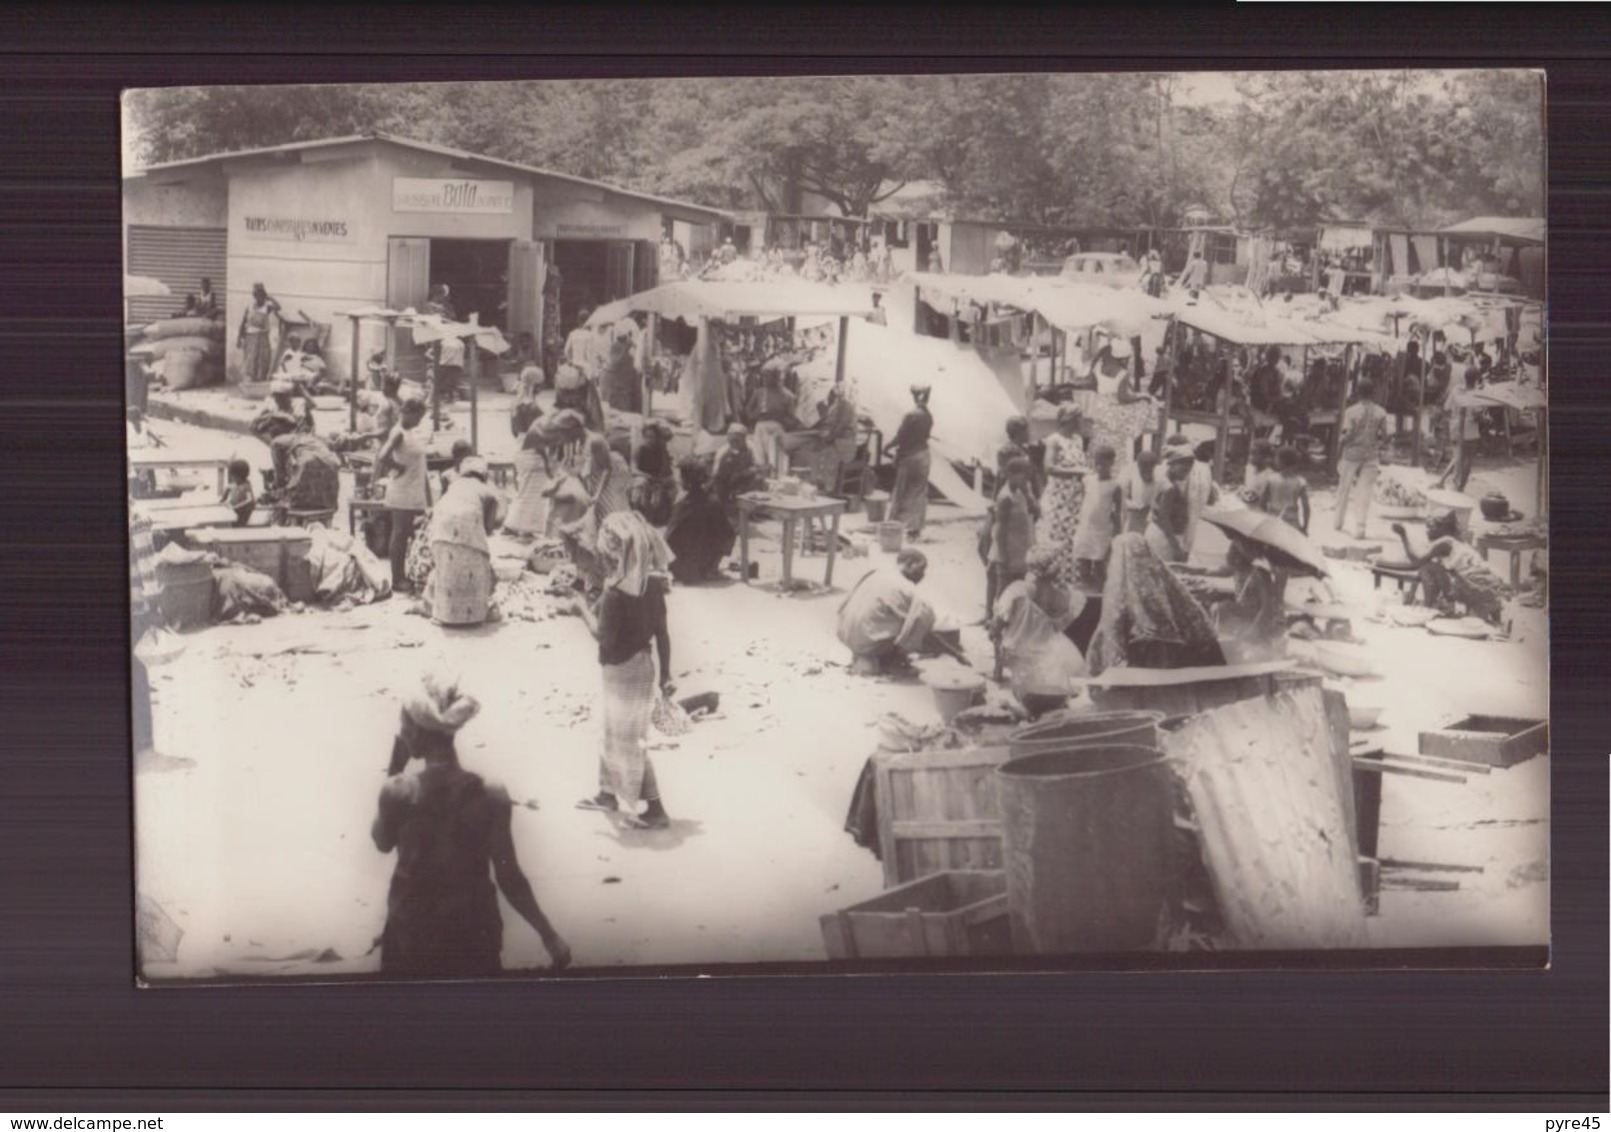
[181,258]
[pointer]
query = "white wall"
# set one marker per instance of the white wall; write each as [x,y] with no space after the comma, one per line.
[199,203]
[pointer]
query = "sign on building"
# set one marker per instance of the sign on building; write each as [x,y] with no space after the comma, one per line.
[473,198]
[296,229]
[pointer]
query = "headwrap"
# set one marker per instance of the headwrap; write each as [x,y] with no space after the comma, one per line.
[737,429]
[569,377]
[1119,348]
[632,550]
[473,466]
[1042,559]
[439,706]
[281,386]
[921,389]
[1067,412]
[1179,452]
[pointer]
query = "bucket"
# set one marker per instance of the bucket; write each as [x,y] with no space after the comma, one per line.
[891,536]
[1087,838]
[956,694]
[1102,728]
[877,507]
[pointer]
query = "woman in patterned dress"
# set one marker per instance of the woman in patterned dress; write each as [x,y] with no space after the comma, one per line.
[1065,491]
[1117,414]
[462,581]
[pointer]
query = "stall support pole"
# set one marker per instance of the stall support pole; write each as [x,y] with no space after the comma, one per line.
[1426,364]
[474,368]
[839,352]
[352,399]
[648,358]
[1223,440]
[1172,352]
[1342,408]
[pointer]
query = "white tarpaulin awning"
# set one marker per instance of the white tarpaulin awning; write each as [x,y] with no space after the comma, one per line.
[1066,305]
[1517,229]
[692,299]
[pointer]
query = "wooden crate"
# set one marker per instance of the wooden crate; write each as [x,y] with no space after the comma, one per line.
[949,914]
[938,810]
[1492,740]
[279,552]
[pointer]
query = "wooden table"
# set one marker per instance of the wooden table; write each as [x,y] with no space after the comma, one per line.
[791,509]
[169,520]
[1517,545]
[154,460]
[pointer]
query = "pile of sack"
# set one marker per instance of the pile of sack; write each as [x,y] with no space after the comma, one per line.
[184,353]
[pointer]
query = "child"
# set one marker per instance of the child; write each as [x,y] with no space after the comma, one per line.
[1013,529]
[1166,528]
[1101,520]
[239,493]
[1259,461]
[1285,494]
[1140,485]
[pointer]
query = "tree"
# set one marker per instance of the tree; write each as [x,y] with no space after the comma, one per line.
[174,123]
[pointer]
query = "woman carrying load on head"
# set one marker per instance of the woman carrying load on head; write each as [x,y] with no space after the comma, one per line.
[628,622]
[450,828]
[909,503]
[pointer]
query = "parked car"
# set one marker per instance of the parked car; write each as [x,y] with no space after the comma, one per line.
[1109,269]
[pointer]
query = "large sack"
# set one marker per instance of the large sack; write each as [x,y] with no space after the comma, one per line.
[164,346]
[242,590]
[185,328]
[189,369]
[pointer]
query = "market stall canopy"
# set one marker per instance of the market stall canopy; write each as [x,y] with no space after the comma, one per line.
[1513,395]
[1269,330]
[1287,546]
[429,328]
[691,299]
[1064,304]
[1518,229]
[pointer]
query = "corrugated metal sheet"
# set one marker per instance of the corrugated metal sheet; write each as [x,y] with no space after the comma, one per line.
[181,258]
[1276,831]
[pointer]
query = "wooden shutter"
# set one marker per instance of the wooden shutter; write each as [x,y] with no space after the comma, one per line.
[408,284]
[526,274]
[179,257]
[618,272]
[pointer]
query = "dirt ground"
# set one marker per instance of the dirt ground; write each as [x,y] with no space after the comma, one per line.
[252,824]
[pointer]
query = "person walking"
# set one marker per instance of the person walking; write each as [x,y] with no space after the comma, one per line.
[1364,427]
[450,829]
[910,502]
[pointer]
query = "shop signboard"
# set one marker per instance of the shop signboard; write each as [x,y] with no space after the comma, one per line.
[453,195]
[297,229]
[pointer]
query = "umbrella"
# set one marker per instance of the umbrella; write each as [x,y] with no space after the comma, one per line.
[1287,546]
[143,286]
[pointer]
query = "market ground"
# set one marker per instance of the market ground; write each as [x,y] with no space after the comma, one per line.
[252,824]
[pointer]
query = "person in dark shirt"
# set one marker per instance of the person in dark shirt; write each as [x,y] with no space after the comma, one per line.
[629,619]
[698,534]
[449,827]
[910,502]
[735,470]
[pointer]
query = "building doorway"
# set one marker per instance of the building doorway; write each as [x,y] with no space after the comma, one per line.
[595,272]
[477,276]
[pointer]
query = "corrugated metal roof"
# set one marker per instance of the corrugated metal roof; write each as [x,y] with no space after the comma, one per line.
[423,147]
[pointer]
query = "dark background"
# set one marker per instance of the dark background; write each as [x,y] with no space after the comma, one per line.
[75,1034]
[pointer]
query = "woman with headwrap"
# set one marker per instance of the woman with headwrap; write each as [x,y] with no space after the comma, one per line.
[451,830]
[462,580]
[623,384]
[1149,619]
[628,620]
[699,533]
[909,503]
[1031,622]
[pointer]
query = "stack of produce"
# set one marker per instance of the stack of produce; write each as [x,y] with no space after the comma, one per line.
[1396,487]
[187,353]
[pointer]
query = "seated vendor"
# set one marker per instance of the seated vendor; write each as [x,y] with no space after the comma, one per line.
[1252,625]
[1031,624]
[734,471]
[884,619]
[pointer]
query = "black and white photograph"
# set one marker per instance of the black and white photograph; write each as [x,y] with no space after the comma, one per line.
[982,520]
